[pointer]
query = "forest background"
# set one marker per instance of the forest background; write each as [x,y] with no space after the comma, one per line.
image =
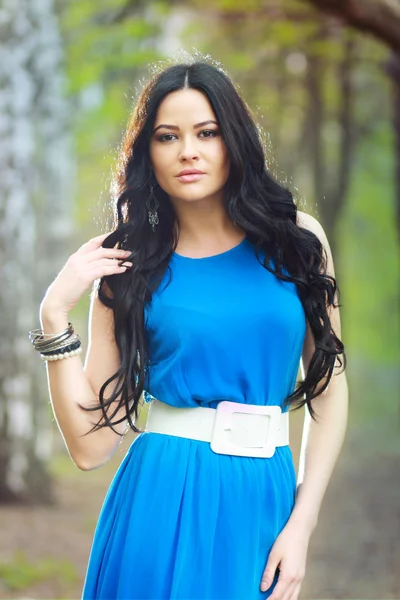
[323,80]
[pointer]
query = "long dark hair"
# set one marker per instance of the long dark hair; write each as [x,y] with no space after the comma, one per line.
[254,199]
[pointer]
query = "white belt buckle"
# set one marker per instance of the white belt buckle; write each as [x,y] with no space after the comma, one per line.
[245,430]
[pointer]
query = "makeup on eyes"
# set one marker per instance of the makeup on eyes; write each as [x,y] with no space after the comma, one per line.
[214,132]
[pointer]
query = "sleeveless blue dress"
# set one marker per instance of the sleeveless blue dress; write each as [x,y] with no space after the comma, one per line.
[180,521]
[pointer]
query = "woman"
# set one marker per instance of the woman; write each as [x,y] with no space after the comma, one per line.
[226,288]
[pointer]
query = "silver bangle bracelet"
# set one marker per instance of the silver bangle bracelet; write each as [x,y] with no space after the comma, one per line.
[42,340]
[71,340]
[51,343]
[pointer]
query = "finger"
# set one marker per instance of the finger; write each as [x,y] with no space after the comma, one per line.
[104,271]
[93,243]
[269,573]
[110,253]
[296,592]
[289,591]
[282,587]
[109,262]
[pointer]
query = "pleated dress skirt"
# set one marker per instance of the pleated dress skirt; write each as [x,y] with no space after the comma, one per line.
[182,522]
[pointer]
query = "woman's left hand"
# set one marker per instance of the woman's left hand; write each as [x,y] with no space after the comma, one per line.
[289,554]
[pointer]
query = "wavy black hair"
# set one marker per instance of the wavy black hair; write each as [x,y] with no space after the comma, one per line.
[260,205]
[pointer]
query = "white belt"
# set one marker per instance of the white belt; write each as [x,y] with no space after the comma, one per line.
[231,428]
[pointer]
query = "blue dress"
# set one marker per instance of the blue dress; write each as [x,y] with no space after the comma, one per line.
[180,521]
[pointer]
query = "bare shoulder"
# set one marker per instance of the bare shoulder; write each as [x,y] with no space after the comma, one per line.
[309,222]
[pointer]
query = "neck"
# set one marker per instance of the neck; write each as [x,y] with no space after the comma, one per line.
[204,222]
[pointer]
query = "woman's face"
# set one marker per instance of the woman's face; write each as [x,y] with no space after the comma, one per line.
[186,138]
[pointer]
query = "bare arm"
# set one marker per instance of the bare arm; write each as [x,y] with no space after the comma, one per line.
[72,383]
[322,440]
[321,444]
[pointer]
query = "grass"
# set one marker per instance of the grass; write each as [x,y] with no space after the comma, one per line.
[20,573]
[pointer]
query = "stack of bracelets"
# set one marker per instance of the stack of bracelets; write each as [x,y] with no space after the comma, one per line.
[56,346]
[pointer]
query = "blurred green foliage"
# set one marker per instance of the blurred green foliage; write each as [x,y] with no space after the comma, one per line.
[267,49]
[369,256]
[22,573]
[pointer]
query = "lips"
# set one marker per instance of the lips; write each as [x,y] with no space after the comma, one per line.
[190,172]
[190,177]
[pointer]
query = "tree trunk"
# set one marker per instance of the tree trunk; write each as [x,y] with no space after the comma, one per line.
[314,77]
[33,186]
[331,178]
[339,180]
[394,71]
[381,18]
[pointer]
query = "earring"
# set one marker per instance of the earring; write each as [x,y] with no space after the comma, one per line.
[152,212]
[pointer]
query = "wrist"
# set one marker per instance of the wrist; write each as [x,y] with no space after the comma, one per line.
[53,319]
[304,519]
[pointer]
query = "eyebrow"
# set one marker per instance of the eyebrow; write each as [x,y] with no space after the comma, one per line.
[176,128]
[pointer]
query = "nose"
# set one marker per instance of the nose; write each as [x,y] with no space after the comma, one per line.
[188,150]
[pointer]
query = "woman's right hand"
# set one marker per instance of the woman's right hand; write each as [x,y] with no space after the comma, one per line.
[89,263]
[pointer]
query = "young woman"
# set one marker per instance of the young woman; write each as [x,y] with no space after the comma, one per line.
[227,288]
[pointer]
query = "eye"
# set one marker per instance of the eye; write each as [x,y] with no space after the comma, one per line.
[209,133]
[166,137]
[205,134]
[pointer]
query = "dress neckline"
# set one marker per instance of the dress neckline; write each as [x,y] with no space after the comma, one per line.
[213,256]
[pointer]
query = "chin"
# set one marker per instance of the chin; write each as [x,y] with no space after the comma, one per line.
[196,195]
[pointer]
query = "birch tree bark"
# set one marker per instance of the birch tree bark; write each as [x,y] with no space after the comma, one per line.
[35,213]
